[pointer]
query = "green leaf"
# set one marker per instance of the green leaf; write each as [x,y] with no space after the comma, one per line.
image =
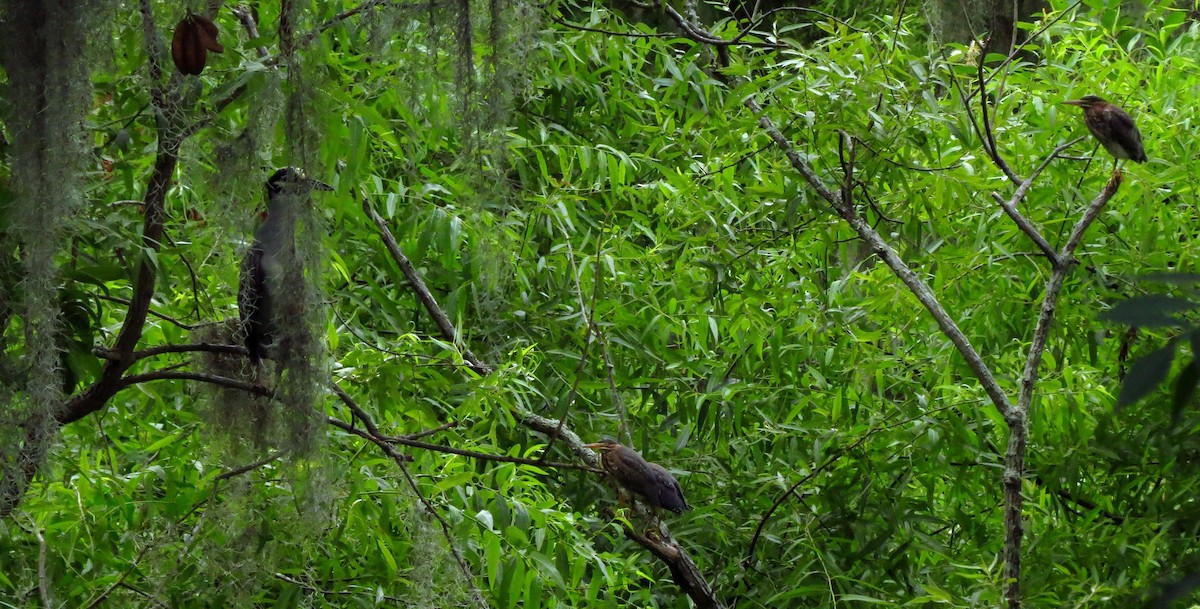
[547,569]
[1154,310]
[388,558]
[864,599]
[1185,388]
[1146,374]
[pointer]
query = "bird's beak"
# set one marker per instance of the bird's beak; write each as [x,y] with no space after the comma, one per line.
[595,446]
[1075,102]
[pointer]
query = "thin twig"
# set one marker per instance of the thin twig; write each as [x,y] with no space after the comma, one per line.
[430,432]
[1016,50]
[248,467]
[989,135]
[121,580]
[126,302]
[372,434]
[365,592]
[589,327]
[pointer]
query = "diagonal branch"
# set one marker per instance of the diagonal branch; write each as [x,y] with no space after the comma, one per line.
[872,238]
[422,291]
[684,571]
[989,134]
[1027,227]
[372,434]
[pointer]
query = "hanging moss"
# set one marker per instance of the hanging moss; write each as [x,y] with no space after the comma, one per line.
[46,59]
[243,421]
[437,580]
[245,160]
[303,360]
[298,369]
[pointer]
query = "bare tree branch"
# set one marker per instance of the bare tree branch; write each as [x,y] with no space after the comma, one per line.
[422,292]
[373,434]
[1014,458]
[141,354]
[1010,206]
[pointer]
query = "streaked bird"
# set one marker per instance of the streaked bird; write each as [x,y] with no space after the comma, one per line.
[652,481]
[1113,127]
[261,268]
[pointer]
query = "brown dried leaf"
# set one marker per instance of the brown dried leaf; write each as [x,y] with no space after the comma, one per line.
[187,50]
[208,33]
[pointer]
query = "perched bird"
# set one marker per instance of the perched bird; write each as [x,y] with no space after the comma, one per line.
[650,480]
[1113,127]
[276,235]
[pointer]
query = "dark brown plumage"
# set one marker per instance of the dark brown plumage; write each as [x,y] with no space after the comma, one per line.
[650,480]
[1113,127]
[256,306]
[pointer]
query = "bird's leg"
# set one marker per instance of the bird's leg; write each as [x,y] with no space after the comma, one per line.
[654,526]
[621,500]
[1117,176]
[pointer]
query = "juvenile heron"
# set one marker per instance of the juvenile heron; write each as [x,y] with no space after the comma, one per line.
[650,480]
[261,267]
[1113,127]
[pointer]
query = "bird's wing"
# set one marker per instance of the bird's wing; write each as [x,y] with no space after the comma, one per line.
[632,471]
[252,290]
[1126,133]
[668,492]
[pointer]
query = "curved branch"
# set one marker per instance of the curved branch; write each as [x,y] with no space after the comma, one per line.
[182,375]
[153,313]
[141,354]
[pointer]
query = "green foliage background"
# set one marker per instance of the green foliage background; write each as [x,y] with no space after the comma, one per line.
[609,227]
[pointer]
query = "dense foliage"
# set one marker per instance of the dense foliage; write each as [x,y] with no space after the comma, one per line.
[609,227]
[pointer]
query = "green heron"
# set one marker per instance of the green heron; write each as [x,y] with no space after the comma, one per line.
[1113,127]
[270,241]
[650,480]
